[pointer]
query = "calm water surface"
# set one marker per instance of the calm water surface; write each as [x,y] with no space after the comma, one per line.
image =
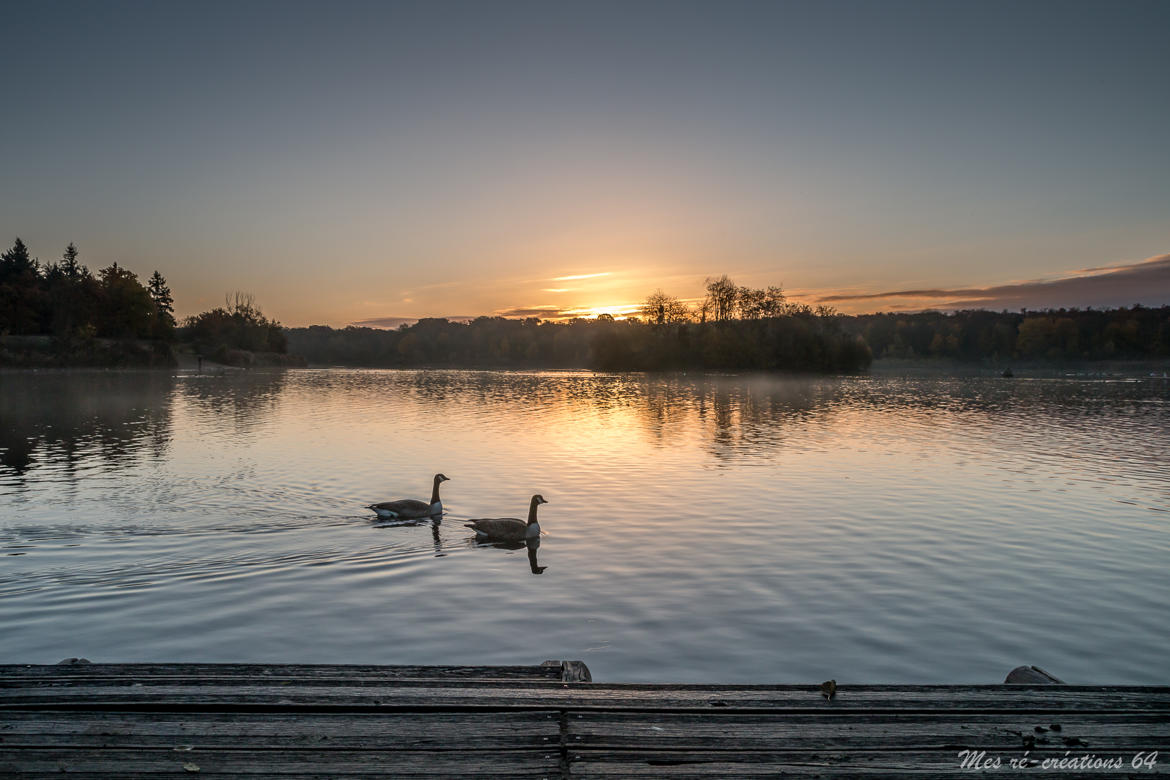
[733,529]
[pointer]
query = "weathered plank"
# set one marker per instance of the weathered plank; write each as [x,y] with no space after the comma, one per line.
[473,730]
[427,694]
[711,731]
[826,764]
[360,721]
[24,672]
[22,763]
[383,731]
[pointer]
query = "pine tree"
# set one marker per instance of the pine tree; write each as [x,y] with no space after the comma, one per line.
[16,262]
[69,265]
[22,300]
[163,301]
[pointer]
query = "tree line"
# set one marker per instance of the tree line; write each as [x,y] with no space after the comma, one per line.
[235,332]
[97,318]
[742,328]
[1134,333]
[731,328]
[66,300]
[110,317]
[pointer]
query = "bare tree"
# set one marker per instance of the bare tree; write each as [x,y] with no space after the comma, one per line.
[660,309]
[722,295]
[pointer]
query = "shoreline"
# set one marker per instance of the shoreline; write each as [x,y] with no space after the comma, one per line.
[188,364]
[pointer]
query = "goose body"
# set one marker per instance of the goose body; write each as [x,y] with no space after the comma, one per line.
[508,529]
[412,508]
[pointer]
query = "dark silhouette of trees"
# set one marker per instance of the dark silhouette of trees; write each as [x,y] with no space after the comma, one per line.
[232,332]
[21,296]
[662,309]
[759,330]
[800,339]
[69,267]
[66,301]
[127,310]
[719,305]
[62,314]
[164,305]
[1135,333]
[74,299]
[16,262]
[725,301]
[760,304]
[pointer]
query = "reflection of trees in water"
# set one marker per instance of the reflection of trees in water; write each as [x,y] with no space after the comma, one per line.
[734,414]
[58,419]
[754,415]
[246,399]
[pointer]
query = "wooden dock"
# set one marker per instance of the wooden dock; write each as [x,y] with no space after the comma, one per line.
[155,720]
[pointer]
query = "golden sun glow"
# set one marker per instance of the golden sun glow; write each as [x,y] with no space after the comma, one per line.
[618,311]
[580,276]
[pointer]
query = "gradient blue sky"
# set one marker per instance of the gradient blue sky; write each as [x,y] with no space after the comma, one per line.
[351,161]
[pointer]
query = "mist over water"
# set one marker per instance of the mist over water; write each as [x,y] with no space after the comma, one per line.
[708,529]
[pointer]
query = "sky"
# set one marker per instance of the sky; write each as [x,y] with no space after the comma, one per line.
[373,162]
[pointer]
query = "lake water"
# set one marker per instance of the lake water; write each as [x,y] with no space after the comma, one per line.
[705,529]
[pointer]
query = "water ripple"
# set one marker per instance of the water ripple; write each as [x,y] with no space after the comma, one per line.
[730,528]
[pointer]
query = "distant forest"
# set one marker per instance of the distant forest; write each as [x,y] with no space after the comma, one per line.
[742,328]
[732,328]
[1061,335]
[61,313]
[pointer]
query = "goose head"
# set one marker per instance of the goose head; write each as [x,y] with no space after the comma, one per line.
[439,479]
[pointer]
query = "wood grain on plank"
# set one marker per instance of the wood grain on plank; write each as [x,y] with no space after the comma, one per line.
[281,763]
[530,695]
[287,671]
[383,731]
[819,764]
[665,730]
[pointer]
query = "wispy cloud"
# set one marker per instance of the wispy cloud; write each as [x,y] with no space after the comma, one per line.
[544,312]
[394,322]
[550,312]
[1146,282]
[580,276]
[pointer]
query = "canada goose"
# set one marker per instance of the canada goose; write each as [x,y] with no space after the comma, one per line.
[411,508]
[509,529]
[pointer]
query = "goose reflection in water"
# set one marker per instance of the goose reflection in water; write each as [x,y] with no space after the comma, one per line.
[435,523]
[532,544]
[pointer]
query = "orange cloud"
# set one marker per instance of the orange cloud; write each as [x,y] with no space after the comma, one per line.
[1146,282]
[580,276]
